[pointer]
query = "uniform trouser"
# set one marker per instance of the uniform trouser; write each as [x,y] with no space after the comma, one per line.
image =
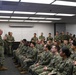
[39,69]
[10,50]
[27,62]
[44,73]
[1,56]
[21,58]
[74,70]
[32,66]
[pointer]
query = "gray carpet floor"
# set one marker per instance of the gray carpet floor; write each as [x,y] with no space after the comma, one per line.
[11,68]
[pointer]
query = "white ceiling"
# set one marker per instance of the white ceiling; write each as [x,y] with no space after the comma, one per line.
[21,11]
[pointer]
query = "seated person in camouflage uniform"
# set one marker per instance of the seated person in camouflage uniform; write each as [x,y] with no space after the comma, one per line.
[65,43]
[22,51]
[15,52]
[39,46]
[65,65]
[45,58]
[53,62]
[73,56]
[30,58]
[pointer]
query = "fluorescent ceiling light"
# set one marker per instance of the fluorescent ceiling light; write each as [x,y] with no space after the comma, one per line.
[19,17]
[64,3]
[11,0]
[30,21]
[3,11]
[3,20]
[38,1]
[53,18]
[60,14]
[4,16]
[36,18]
[45,21]
[16,20]
[17,12]
[45,13]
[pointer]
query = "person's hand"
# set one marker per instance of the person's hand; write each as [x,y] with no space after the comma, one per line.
[49,74]
[74,62]
[45,68]
[37,64]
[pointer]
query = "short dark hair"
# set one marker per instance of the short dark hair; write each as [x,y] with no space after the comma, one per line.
[48,46]
[66,51]
[57,47]
[50,33]
[33,43]
[35,33]
[24,40]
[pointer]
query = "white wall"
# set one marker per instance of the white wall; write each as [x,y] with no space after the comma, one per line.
[71,28]
[21,33]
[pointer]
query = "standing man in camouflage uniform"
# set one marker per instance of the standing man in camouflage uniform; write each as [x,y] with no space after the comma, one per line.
[10,39]
[5,44]
[49,37]
[41,37]
[1,52]
[34,38]
[57,37]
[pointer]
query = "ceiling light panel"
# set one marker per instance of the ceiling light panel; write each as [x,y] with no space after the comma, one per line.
[45,13]
[16,20]
[17,12]
[19,17]
[3,20]
[53,18]
[36,18]
[4,16]
[2,11]
[65,3]
[30,21]
[11,0]
[38,1]
[45,21]
[60,14]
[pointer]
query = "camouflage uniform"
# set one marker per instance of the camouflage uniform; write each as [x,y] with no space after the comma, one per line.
[22,53]
[53,63]
[56,37]
[45,58]
[1,52]
[73,57]
[63,68]
[10,39]
[34,39]
[63,45]
[49,38]
[39,47]
[42,38]
[31,57]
